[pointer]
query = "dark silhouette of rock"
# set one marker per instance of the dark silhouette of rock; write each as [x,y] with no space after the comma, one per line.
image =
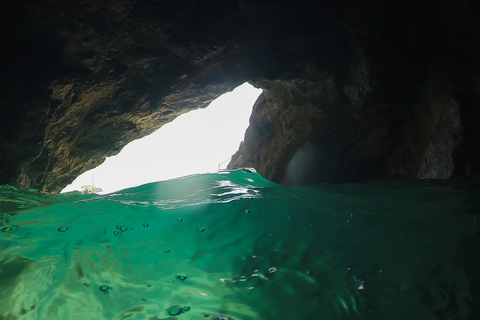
[353,90]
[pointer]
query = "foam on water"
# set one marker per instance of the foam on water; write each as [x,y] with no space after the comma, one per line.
[233,245]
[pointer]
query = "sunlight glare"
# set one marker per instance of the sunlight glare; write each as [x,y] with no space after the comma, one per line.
[199,141]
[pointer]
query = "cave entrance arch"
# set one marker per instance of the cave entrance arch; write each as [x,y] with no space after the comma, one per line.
[199,141]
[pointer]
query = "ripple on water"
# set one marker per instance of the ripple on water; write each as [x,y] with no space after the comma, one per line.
[246,244]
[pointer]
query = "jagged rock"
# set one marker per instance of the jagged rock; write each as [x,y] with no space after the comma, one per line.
[352,90]
[438,162]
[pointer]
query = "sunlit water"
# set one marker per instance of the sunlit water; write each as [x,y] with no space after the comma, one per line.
[233,245]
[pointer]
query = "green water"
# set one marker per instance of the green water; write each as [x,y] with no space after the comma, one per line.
[233,245]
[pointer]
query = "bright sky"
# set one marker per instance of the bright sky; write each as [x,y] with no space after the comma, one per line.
[195,142]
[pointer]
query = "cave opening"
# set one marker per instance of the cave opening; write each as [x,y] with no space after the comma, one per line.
[198,141]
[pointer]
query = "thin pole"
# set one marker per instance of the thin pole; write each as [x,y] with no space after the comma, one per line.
[223,162]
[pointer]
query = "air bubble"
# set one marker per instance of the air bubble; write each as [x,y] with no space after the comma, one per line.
[175,310]
[166,251]
[201,229]
[123,228]
[62,229]
[248,211]
[104,288]
[272,269]
[181,277]
[145,225]
[180,219]
[115,233]
[309,272]
[186,308]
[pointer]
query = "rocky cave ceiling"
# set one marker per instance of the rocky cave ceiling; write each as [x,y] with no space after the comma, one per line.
[353,90]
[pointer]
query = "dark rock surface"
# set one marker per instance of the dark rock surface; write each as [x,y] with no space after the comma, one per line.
[353,90]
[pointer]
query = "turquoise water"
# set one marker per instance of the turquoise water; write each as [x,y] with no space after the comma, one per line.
[232,245]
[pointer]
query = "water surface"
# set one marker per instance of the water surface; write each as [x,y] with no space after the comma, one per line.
[232,245]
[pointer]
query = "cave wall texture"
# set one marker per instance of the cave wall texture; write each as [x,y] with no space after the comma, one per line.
[353,90]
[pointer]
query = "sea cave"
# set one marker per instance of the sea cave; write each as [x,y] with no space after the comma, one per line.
[355,193]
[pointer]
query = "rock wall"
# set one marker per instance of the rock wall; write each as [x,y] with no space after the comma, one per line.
[82,79]
[352,91]
[398,107]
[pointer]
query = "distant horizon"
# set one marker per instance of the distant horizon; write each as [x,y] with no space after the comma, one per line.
[199,141]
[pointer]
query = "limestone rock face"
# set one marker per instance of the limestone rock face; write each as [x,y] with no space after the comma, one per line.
[352,90]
